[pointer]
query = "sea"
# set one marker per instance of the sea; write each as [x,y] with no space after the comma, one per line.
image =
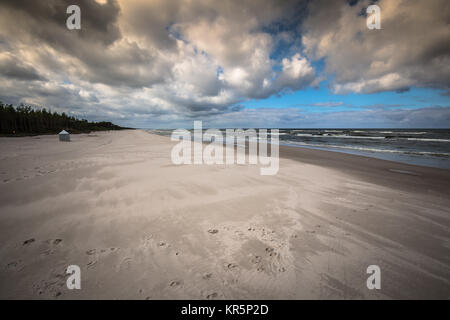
[426,147]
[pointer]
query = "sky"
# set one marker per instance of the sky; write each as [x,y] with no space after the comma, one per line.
[272,63]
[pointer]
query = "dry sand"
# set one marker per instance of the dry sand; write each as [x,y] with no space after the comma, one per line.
[140,227]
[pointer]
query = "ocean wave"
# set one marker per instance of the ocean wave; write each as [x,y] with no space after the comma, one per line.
[422,153]
[276,134]
[337,136]
[356,137]
[429,140]
[369,137]
[294,131]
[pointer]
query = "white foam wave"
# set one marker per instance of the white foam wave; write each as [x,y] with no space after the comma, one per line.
[429,140]
[373,149]
[336,136]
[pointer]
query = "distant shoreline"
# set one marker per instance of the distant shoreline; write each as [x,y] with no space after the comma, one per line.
[381,171]
[424,147]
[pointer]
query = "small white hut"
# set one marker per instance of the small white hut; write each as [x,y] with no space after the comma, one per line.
[64,136]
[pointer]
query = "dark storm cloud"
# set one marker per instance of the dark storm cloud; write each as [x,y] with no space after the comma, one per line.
[410,49]
[12,68]
[46,20]
[170,60]
[90,51]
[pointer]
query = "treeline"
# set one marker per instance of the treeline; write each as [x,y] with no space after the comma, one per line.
[24,120]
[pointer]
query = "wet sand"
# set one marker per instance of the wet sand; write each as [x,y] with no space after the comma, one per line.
[141,227]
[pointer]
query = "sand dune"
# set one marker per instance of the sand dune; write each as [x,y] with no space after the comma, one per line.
[140,227]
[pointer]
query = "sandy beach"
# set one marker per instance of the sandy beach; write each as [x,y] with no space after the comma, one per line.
[141,227]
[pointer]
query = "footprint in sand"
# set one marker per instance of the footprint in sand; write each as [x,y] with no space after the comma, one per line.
[15,266]
[104,250]
[212,296]
[175,284]
[48,252]
[91,252]
[53,286]
[125,264]
[12,265]
[270,250]
[54,242]
[271,247]
[232,266]
[50,246]
[239,233]
[98,254]
[256,259]
[150,242]
[207,276]
[270,261]
[26,242]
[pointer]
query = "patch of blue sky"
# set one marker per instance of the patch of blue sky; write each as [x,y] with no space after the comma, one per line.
[323,99]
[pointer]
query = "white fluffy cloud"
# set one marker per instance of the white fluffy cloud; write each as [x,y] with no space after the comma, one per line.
[140,62]
[145,57]
[411,49]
